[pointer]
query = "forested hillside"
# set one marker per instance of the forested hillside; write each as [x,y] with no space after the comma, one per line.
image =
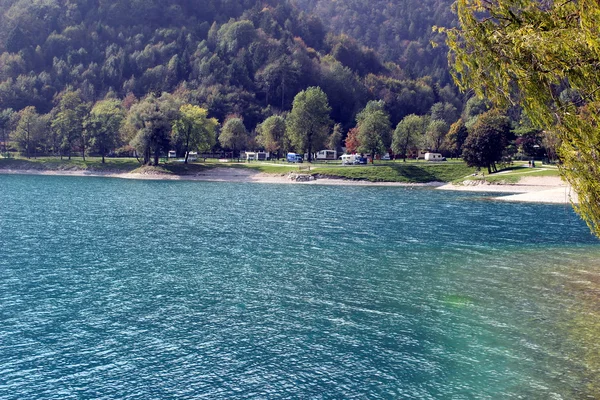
[399,31]
[245,57]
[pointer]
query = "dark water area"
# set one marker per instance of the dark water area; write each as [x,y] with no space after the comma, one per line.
[118,289]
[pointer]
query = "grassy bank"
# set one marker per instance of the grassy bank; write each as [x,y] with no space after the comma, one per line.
[92,164]
[409,172]
[390,171]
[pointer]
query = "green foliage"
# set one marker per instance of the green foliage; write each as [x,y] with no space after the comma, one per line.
[246,58]
[334,141]
[68,123]
[374,129]
[29,132]
[455,138]
[151,120]
[435,134]
[486,141]
[194,130]
[234,135]
[409,135]
[103,124]
[271,133]
[308,123]
[399,31]
[6,118]
[520,53]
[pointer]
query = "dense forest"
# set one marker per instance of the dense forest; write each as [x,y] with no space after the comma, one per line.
[236,57]
[399,31]
[71,69]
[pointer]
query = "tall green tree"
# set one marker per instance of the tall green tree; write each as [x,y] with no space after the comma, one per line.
[374,130]
[68,123]
[234,135]
[334,141]
[30,131]
[271,133]
[194,129]
[103,125]
[525,52]
[455,138]
[151,121]
[435,134]
[487,140]
[308,123]
[6,117]
[409,134]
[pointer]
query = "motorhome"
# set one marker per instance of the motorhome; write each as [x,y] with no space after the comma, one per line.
[192,156]
[353,159]
[172,154]
[250,156]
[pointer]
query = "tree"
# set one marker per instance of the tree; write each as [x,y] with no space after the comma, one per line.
[527,53]
[445,112]
[151,121]
[6,117]
[435,133]
[30,131]
[271,133]
[308,123]
[194,129]
[486,141]
[68,123]
[103,125]
[234,135]
[373,124]
[455,138]
[334,141]
[352,142]
[408,134]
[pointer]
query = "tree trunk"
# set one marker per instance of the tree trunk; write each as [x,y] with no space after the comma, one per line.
[187,145]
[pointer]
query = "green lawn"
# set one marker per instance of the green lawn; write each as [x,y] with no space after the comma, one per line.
[381,171]
[75,164]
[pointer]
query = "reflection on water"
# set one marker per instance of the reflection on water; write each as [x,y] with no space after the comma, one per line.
[117,289]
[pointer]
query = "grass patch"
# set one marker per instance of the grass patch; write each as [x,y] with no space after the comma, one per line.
[400,172]
[74,164]
[381,171]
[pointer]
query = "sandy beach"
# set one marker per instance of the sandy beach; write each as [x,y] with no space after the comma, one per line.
[529,189]
[546,189]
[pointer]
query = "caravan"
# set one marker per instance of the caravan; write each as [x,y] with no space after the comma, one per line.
[326,155]
[434,157]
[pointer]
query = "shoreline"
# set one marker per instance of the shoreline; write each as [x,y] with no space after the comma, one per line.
[549,190]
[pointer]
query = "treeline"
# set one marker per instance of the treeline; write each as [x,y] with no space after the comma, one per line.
[243,57]
[150,127]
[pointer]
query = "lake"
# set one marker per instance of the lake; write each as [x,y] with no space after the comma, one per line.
[119,289]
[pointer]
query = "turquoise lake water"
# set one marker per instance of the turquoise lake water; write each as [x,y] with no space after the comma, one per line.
[117,289]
